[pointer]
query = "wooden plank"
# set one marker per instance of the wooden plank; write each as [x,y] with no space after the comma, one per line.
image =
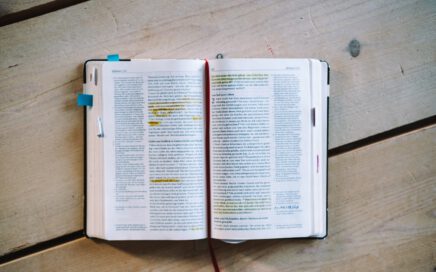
[390,83]
[8,7]
[381,217]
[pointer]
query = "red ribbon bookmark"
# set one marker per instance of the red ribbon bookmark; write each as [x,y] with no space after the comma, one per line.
[208,185]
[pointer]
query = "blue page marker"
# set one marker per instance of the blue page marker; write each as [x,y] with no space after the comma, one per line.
[84,100]
[113,57]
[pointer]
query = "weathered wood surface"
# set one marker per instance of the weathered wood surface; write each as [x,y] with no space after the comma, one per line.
[389,84]
[12,6]
[381,217]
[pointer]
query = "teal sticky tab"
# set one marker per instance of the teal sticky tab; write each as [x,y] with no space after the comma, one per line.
[113,57]
[84,100]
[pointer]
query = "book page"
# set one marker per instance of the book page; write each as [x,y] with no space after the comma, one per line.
[260,148]
[153,120]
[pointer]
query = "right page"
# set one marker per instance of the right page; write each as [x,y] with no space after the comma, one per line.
[261,148]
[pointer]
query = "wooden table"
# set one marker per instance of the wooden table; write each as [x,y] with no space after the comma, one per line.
[382,188]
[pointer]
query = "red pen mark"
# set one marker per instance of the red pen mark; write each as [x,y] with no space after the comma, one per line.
[317,163]
[269,48]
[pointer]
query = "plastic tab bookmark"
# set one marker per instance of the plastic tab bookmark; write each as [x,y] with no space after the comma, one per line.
[113,57]
[84,100]
[100,127]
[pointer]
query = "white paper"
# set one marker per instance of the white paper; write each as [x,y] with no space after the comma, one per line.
[260,148]
[153,120]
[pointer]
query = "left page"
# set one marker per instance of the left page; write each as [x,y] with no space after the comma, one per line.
[154,156]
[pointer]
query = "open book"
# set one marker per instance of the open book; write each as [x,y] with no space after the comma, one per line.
[169,140]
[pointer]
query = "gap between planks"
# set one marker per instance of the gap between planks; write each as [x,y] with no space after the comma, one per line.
[36,11]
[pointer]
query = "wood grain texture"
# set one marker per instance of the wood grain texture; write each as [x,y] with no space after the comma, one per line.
[389,84]
[8,6]
[382,217]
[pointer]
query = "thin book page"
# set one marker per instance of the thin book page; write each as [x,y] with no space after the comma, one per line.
[260,139]
[153,119]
